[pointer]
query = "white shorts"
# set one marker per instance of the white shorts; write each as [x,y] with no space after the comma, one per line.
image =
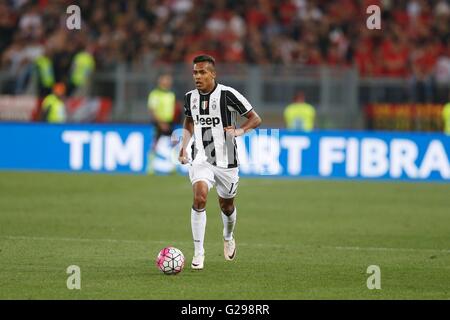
[224,179]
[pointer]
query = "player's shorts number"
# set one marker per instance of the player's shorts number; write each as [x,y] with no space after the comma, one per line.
[233,185]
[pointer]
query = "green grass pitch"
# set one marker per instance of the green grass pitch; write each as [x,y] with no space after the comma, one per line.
[297,239]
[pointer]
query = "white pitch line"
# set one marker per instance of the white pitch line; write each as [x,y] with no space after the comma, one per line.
[351,248]
[78,239]
[387,249]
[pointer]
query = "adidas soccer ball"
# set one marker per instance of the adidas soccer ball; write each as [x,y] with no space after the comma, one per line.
[170,260]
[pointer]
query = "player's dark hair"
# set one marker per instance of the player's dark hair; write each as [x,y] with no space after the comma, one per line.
[204,58]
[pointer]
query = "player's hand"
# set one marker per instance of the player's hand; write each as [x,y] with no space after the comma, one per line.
[232,131]
[183,157]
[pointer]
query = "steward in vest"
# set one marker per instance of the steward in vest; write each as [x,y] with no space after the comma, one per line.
[83,66]
[53,108]
[45,73]
[300,115]
[162,106]
[446,118]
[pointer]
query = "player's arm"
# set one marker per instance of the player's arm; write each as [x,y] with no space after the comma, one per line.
[253,121]
[188,129]
[240,104]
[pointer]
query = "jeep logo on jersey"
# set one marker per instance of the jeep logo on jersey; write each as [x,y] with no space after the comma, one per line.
[207,121]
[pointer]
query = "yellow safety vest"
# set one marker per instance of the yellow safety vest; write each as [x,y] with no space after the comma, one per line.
[162,102]
[45,71]
[82,67]
[300,116]
[446,118]
[56,109]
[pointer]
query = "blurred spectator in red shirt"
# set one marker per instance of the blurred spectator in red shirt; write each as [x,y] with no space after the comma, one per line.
[394,57]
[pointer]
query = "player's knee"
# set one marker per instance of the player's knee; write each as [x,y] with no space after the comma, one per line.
[199,201]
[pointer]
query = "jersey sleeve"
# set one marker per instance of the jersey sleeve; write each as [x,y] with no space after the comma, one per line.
[187,105]
[238,102]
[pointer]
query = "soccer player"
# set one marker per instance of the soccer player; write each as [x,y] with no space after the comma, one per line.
[211,111]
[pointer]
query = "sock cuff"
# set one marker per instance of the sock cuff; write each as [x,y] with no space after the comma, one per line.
[233,215]
[199,210]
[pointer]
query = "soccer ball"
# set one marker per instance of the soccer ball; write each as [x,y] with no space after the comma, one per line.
[170,260]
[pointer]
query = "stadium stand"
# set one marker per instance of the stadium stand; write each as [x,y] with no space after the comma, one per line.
[413,45]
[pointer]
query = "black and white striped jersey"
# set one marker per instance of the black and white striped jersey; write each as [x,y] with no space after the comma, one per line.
[211,113]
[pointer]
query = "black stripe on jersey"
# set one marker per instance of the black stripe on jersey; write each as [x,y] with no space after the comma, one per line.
[227,121]
[225,114]
[193,151]
[208,145]
[207,137]
[235,103]
[187,105]
[233,164]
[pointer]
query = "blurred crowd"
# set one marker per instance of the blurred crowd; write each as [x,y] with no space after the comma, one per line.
[414,40]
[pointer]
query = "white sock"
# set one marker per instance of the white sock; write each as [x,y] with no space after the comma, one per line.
[198,224]
[228,224]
